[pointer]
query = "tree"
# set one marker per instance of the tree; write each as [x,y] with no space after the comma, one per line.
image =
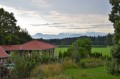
[113,65]
[9,31]
[80,48]
[109,40]
[60,54]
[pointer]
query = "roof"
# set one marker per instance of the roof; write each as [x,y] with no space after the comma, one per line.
[11,47]
[31,45]
[36,45]
[3,54]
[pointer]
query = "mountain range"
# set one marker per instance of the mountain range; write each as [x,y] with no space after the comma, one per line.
[67,35]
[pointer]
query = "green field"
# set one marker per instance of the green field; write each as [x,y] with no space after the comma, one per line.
[92,73]
[103,50]
[62,49]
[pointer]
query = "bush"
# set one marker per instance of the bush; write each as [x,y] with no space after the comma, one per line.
[96,55]
[23,67]
[91,62]
[60,55]
[113,67]
[68,63]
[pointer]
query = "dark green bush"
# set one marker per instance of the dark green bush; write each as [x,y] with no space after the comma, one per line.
[60,55]
[96,55]
[113,67]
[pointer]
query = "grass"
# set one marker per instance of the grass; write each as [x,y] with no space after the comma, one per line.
[92,73]
[103,50]
[62,49]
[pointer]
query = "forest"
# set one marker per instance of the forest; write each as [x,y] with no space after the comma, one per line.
[99,40]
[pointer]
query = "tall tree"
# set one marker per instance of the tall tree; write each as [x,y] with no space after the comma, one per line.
[114,17]
[109,39]
[9,31]
[81,48]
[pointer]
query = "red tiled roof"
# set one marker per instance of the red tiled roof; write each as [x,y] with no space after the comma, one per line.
[36,45]
[11,47]
[32,45]
[3,54]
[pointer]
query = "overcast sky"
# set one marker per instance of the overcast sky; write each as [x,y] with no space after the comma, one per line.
[60,16]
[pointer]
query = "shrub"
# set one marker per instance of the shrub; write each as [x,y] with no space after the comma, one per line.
[96,55]
[81,48]
[23,67]
[112,67]
[68,63]
[60,55]
[91,62]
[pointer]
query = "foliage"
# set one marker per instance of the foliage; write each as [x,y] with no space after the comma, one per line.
[91,62]
[25,64]
[60,55]
[68,63]
[96,55]
[114,17]
[10,32]
[96,40]
[113,67]
[80,49]
[23,67]
[104,50]
[52,70]
[109,39]
[4,72]
[46,70]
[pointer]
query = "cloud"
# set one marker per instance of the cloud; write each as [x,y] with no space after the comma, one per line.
[63,22]
[109,25]
[41,3]
[40,24]
[49,24]
[57,22]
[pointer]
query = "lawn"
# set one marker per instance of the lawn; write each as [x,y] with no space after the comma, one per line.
[103,50]
[62,49]
[92,73]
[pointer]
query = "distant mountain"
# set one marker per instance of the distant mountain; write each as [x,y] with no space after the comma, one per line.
[66,35]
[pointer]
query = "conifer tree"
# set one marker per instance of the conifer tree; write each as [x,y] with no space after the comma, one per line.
[113,65]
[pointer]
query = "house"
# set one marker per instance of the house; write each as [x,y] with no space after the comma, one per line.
[28,47]
[3,54]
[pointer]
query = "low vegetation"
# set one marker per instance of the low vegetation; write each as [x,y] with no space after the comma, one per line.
[45,67]
[105,50]
[53,70]
[91,62]
[90,73]
[79,61]
[47,70]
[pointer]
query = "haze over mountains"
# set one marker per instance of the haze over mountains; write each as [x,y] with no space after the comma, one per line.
[67,35]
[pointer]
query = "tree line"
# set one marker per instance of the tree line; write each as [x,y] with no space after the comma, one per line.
[99,40]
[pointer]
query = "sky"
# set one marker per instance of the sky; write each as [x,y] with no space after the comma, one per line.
[60,16]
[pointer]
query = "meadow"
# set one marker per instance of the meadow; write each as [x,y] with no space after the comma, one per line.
[104,50]
[91,73]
